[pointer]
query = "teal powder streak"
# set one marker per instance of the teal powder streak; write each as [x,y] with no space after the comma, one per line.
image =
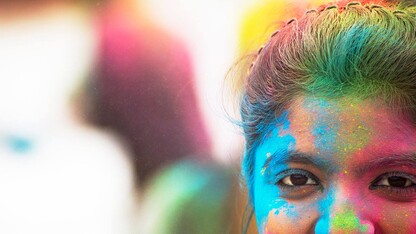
[324,132]
[325,206]
[266,193]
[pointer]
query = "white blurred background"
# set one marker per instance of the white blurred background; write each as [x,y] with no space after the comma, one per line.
[61,172]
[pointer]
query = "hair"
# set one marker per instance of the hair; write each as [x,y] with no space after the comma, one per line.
[356,49]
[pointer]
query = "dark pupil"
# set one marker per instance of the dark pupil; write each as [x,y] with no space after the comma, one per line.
[397,181]
[297,179]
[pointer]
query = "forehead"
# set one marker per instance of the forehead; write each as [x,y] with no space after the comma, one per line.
[341,111]
[345,126]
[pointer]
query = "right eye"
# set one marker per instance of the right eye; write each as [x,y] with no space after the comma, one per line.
[298,180]
[297,183]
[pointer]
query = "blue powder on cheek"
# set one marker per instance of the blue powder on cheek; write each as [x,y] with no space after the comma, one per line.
[266,192]
[322,226]
[325,206]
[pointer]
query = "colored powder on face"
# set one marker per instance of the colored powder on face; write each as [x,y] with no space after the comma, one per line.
[283,206]
[289,210]
[354,134]
[339,127]
[266,194]
[399,218]
[324,206]
[322,226]
[285,211]
[347,221]
[326,125]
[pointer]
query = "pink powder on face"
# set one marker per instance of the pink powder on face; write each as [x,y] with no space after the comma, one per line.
[363,132]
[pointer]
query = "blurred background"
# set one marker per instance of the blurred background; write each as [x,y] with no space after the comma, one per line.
[119,116]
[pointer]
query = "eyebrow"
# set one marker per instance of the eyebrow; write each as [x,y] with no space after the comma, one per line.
[394,160]
[294,156]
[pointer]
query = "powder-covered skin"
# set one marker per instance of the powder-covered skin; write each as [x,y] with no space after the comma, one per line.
[344,147]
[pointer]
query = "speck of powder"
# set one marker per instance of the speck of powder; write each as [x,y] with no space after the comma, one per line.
[262,171]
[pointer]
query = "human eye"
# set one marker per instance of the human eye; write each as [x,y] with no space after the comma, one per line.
[396,185]
[297,183]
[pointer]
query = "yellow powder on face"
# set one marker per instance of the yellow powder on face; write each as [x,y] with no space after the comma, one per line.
[331,127]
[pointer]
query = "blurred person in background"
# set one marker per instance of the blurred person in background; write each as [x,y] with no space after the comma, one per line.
[57,174]
[143,89]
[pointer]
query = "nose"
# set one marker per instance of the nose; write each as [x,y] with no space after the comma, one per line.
[343,223]
[339,215]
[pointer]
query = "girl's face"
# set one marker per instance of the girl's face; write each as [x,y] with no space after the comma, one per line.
[342,166]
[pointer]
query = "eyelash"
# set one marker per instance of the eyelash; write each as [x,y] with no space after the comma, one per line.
[403,190]
[281,176]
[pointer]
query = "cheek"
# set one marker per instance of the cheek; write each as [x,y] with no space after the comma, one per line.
[399,221]
[298,219]
[396,217]
[277,222]
[266,192]
[388,216]
[267,200]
